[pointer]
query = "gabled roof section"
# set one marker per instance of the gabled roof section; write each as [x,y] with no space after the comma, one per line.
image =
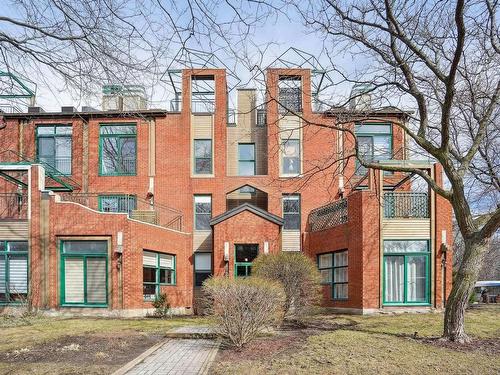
[247,207]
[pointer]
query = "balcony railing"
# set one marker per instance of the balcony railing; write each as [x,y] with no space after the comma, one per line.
[328,216]
[13,206]
[61,164]
[175,105]
[290,99]
[203,105]
[136,208]
[408,205]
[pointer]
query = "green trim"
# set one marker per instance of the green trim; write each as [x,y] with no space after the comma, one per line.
[54,135]
[247,265]
[84,257]
[333,267]
[4,257]
[119,136]
[128,197]
[406,255]
[368,134]
[157,269]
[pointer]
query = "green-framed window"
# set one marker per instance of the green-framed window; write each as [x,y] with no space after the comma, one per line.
[117,203]
[202,212]
[334,271]
[246,159]
[291,211]
[406,272]
[202,267]
[84,273]
[290,156]
[157,269]
[13,271]
[203,156]
[117,149]
[244,255]
[374,143]
[53,147]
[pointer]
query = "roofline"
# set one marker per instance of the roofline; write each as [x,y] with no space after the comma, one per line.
[91,114]
[386,111]
[247,207]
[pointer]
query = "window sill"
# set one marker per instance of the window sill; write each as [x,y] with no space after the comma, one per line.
[408,304]
[203,175]
[118,175]
[83,305]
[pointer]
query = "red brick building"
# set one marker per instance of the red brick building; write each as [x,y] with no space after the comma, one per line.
[105,209]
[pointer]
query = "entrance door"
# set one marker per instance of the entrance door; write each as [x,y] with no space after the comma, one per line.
[244,254]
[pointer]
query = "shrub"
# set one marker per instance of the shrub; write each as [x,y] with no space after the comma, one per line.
[162,306]
[243,307]
[299,276]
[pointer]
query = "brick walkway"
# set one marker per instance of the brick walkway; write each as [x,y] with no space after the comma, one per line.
[178,356]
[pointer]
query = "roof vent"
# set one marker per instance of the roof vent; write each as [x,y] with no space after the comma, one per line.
[87,108]
[68,109]
[35,110]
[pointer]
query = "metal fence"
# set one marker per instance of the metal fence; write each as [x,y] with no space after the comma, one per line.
[406,205]
[328,216]
[13,206]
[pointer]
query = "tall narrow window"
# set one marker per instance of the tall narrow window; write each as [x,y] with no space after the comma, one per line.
[290,163]
[406,272]
[84,274]
[118,150]
[202,212]
[13,271]
[203,156]
[246,159]
[374,143]
[334,271]
[157,269]
[117,203]
[202,267]
[291,212]
[54,147]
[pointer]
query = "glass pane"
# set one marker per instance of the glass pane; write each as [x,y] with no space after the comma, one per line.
[148,275]
[128,153]
[291,165]
[291,156]
[410,246]
[96,280]
[85,247]
[373,128]
[202,221]
[291,221]
[246,168]
[166,260]
[203,207]
[149,291]
[166,276]
[63,154]
[241,271]
[382,147]
[109,204]
[203,148]
[325,261]
[44,130]
[291,204]
[109,158]
[200,277]
[203,262]
[394,279]
[416,278]
[246,152]
[46,148]
[18,246]
[3,288]
[118,129]
[340,275]
[203,166]
[73,280]
[340,291]
[326,276]
[68,130]
[340,259]
[246,253]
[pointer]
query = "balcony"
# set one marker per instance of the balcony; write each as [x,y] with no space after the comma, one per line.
[290,99]
[62,165]
[406,205]
[203,105]
[13,206]
[328,216]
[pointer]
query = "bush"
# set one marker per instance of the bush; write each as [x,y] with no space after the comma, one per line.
[162,306]
[243,307]
[299,276]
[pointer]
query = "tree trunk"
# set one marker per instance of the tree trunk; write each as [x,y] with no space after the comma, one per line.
[463,285]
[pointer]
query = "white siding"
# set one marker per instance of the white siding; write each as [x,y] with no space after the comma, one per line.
[290,240]
[406,228]
[14,230]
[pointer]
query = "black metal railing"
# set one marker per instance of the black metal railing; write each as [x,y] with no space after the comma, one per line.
[328,216]
[406,205]
[290,99]
[13,206]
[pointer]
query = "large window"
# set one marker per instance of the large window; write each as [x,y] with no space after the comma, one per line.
[374,143]
[291,212]
[334,270]
[202,267]
[290,163]
[118,150]
[54,147]
[244,256]
[84,274]
[246,159]
[202,212]
[117,203]
[203,156]
[157,269]
[406,272]
[13,271]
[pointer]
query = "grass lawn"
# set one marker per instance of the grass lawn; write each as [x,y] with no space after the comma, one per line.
[383,344]
[78,346]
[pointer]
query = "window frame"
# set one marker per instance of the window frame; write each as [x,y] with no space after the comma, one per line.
[406,255]
[84,257]
[247,160]
[211,158]
[207,272]
[283,157]
[285,196]
[120,137]
[4,257]
[100,199]
[247,265]
[332,268]
[358,167]
[157,283]
[54,135]
[195,220]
